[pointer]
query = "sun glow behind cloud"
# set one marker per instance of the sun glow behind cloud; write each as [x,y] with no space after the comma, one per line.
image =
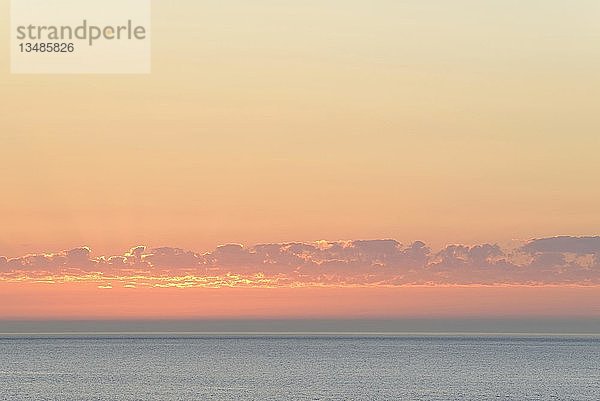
[359,263]
[552,277]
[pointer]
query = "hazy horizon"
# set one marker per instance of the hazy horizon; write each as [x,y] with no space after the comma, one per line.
[457,325]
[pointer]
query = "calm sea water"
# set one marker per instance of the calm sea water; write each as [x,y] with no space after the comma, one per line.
[300,368]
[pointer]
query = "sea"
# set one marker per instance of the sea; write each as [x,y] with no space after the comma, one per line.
[299,367]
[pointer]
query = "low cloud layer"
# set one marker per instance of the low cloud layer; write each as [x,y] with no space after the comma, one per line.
[546,261]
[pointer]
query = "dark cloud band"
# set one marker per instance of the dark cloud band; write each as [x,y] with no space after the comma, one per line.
[557,260]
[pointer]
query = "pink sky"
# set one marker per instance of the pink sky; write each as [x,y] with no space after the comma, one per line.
[557,276]
[87,301]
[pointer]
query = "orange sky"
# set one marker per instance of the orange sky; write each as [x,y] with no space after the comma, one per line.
[274,122]
[76,301]
[298,121]
[552,277]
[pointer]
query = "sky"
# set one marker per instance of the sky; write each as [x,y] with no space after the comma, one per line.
[277,122]
[555,277]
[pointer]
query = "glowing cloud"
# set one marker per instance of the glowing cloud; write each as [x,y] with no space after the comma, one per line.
[548,261]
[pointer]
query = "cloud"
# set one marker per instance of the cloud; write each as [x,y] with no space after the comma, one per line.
[3,263]
[77,258]
[556,260]
[564,244]
[478,256]
[168,258]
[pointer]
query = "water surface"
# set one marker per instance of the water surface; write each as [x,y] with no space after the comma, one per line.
[299,367]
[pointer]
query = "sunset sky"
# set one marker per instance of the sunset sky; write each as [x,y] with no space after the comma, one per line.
[461,123]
